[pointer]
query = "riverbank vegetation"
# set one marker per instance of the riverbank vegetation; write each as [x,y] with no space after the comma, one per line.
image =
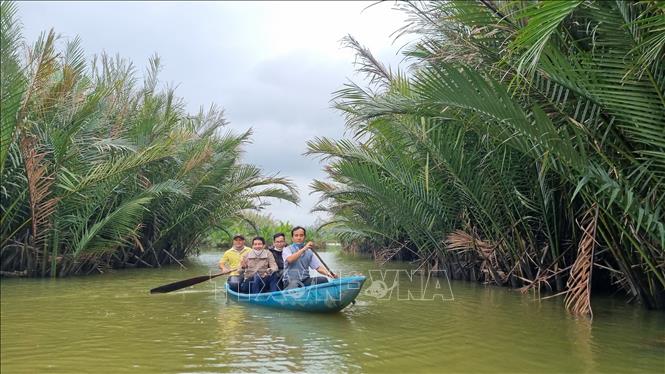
[264,225]
[101,170]
[525,146]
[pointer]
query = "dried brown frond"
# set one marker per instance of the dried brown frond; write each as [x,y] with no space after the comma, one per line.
[383,255]
[461,241]
[197,160]
[43,67]
[578,298]
[39,188]
[144,181]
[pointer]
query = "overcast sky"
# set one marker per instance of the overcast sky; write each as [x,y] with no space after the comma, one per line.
[271,65]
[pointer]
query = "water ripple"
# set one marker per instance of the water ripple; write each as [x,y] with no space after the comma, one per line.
[110,323]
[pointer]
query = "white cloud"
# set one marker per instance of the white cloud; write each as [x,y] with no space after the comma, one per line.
[272,65]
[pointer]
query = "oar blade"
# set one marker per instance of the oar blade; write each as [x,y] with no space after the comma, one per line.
[181,284]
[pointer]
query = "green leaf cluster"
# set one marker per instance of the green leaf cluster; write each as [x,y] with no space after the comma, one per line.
[512,120]
[101,169]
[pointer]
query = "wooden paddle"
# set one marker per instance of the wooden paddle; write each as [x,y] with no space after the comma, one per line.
[326,266]
[187,282]
[322,262]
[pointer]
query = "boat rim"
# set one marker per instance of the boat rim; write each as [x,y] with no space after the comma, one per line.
[330,283]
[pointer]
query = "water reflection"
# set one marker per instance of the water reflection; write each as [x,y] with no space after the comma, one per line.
[111,323]
[580,332]
[251,338]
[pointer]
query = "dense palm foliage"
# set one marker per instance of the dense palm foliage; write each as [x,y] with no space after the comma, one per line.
[526,146]
[99,171]
[255,224]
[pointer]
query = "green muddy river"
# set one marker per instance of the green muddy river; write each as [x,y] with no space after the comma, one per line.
[110,323]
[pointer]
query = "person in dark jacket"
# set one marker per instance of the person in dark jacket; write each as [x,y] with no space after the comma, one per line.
[279,242]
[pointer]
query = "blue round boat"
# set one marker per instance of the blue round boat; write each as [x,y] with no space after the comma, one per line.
[327,297]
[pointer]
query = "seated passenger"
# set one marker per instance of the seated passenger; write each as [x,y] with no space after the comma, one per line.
[231,260]
[298,259]
[259,268]
[278,241]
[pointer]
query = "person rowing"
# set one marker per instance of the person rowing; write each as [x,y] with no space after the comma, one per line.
[298,259]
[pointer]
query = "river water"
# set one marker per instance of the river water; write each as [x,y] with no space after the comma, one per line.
[110,323]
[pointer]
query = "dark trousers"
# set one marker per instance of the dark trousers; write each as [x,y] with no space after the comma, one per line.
[234,282]
[256,284]
[309,281]
[280,280]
